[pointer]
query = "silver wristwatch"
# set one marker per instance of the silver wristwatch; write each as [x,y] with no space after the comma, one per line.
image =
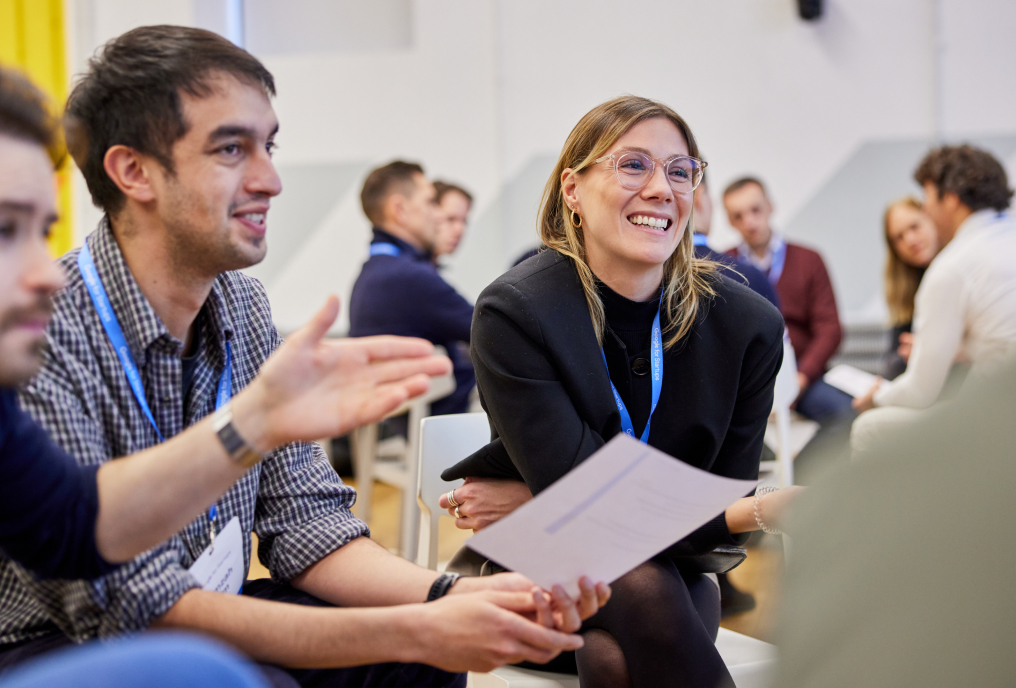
[238,450]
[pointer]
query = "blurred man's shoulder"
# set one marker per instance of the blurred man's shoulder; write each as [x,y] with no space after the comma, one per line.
[803,253]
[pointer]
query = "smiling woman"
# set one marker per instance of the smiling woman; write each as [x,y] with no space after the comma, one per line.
[619,328]
[617,212]
[912,242]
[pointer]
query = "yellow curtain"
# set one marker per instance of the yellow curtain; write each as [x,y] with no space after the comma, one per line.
[32,39]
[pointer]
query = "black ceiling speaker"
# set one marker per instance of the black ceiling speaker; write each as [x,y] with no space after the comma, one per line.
[809,9]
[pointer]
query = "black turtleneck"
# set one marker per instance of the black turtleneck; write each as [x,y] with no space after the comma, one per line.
[626,346]
[543,384]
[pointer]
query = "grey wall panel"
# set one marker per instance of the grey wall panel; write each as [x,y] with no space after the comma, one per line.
[292,27]
[503,230]
[309,194]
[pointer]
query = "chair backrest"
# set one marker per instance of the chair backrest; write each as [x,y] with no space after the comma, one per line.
[444,441]
[786,388]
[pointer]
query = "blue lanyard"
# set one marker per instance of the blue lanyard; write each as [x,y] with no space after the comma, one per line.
[112,326]
[383,248]
[779,258]
[699,240]
[656,361]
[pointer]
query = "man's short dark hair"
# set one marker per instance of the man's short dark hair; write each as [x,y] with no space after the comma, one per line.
[395,177]
[23,112]
[974,175]
[443,188]
[130,96]
[739,184]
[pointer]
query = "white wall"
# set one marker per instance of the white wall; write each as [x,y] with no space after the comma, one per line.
[764,92]
[978,54]
[489,89]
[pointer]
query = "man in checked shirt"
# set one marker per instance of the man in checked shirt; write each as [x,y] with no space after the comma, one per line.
[173,130]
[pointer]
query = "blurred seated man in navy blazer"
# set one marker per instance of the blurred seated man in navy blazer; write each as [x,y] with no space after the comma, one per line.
[732,600]
[399,290]
[747,274]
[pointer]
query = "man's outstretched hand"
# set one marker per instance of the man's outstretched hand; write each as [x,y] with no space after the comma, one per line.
[313,387]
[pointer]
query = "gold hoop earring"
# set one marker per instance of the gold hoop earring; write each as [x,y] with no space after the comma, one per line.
[573,216]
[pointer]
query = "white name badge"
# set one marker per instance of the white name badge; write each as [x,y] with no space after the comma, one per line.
[220,568]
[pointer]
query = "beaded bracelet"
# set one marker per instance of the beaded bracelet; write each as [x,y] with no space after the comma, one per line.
[766,528]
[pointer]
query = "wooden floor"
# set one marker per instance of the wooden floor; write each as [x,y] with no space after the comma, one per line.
[384,528]
[759,574]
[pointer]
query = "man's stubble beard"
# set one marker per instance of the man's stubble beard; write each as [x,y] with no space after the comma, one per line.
[198,251]
[9,375]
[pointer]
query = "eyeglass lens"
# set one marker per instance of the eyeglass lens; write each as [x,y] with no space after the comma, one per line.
[635,169]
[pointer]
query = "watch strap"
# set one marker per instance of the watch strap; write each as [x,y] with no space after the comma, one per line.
[237,448]
[442,585]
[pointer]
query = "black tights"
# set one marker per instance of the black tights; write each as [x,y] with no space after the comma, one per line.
[659,629]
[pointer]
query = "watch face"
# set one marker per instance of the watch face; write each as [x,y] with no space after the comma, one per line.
[237,448]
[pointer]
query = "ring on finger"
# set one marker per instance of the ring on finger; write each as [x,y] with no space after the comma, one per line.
[457,514]
[451,499]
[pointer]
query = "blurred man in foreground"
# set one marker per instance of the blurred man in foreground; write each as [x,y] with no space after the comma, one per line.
[902,568]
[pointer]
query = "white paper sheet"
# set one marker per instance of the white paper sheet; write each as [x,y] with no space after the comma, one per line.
[620,507]
[851,380]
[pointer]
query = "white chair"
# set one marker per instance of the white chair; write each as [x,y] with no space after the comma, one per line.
[395,462]
[787,433]
[445,440]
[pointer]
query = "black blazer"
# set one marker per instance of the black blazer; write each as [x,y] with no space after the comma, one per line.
[547,394]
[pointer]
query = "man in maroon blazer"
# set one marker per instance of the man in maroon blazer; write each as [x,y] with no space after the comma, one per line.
[806,296]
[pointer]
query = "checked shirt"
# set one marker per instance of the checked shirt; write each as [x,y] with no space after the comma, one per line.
[293,500]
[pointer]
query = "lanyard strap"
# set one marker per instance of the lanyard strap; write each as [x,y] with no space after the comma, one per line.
[656,361]
[779,258]
[116,337]
[384,248]
[699,240]
[112,326]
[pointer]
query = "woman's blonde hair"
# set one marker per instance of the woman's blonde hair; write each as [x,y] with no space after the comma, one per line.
[687,280]
[901,279]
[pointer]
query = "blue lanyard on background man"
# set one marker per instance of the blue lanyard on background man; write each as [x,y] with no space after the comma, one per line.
[779,258]
[656,361]
[776,263]
[383,248]
[699,240]
[116,337]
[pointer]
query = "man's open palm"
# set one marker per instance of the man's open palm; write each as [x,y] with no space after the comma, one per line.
[313,387]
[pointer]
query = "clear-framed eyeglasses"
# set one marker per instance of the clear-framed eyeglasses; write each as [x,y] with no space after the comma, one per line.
[635,169]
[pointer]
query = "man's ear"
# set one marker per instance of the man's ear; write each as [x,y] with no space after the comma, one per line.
[394,208]
[950,201]
[696,198]
[127,168]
